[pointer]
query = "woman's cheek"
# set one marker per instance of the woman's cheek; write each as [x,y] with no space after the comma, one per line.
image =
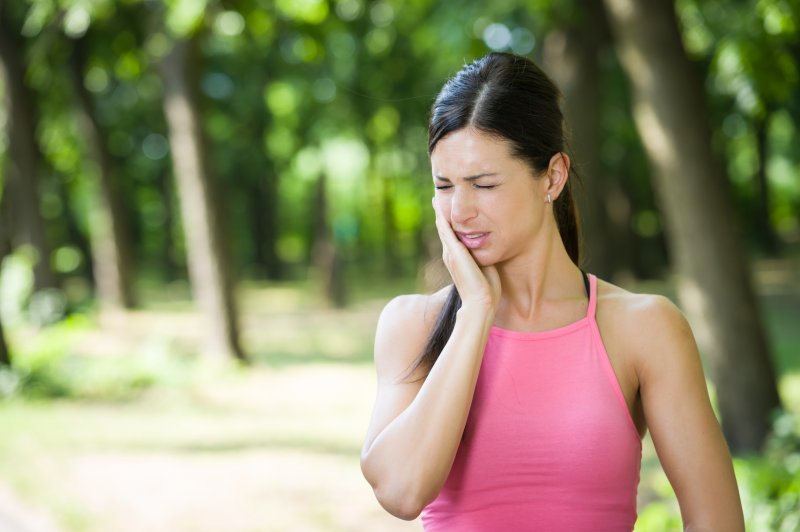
[444,206]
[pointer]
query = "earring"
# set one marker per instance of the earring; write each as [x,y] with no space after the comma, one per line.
[549,199]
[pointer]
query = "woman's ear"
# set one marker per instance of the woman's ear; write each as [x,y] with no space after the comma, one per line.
[557,174]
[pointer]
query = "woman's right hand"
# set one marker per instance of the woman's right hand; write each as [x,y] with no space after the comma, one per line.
[478,285]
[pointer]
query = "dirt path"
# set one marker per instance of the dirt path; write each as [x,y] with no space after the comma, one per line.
[16,516]
[269,450]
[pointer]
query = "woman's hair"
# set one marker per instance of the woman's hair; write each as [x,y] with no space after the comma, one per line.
[509,97]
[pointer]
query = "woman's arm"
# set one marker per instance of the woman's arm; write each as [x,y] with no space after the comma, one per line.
[416,429]
[686,434]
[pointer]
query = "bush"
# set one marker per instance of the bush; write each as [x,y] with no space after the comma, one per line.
[770,484]
[48,368]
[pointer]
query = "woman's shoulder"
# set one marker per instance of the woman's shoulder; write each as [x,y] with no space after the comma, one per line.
[409,309]
[628,306]
[642,322]
[413,312]
[404,327]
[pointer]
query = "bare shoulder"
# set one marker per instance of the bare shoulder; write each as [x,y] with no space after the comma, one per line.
[403,329]
[645,324]
[630,307]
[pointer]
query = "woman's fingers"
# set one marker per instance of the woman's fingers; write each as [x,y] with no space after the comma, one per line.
[452,248]
[446,234]
[455,255]
[481,285]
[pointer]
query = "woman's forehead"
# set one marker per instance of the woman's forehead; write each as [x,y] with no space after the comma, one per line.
[469,152]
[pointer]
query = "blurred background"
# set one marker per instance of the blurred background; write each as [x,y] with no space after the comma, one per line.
[204,205]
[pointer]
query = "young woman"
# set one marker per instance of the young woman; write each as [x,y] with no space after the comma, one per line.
[517,398]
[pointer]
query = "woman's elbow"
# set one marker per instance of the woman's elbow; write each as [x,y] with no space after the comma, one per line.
[396,497]
[406,506]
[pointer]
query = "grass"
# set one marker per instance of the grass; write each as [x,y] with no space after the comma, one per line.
[188,446]
[245,451]
[146,438]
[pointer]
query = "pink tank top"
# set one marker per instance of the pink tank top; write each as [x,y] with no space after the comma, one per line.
[549,444]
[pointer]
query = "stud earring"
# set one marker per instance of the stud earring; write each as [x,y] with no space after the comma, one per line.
[549,199]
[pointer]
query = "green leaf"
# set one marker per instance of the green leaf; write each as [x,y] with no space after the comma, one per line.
[184,16]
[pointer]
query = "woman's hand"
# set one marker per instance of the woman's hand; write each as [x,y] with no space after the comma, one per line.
[476,285]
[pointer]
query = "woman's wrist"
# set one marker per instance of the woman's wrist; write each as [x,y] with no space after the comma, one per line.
[476,311]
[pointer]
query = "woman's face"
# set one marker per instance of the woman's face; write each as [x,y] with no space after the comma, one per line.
[492,200]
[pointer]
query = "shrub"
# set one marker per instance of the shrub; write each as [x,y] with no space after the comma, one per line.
[48,368]
[770,484]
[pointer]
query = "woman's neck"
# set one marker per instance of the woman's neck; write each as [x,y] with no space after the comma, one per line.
[544,274]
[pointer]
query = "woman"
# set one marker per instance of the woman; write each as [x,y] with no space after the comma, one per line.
[517,398]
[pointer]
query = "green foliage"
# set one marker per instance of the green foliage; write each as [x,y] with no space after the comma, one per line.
[750,51]
[750,45]
[308,11]
[658,516]
[184,16]
[280,80]
[770,484]
[48,368]
[16,284]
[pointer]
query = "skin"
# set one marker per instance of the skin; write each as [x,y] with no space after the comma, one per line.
[521,278]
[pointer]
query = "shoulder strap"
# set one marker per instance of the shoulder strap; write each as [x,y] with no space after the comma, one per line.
[591,289]
[586,284]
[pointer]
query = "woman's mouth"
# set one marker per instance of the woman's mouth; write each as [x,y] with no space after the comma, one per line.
[473,240]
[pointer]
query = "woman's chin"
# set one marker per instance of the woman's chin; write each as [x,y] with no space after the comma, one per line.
[482,258]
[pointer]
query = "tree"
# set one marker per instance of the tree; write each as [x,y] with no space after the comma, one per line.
[769,240]
[326,256]
[263,203]
[751,48]
[24,155]
[5,353]
[713,279]
[111,246]
[209,268]
[571,56]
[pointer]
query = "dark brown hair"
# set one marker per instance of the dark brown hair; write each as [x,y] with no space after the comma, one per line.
[511,98]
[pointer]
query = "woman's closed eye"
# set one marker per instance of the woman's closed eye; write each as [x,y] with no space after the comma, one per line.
[483,187]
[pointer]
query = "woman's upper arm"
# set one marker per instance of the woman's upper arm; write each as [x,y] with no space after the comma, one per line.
[400,336]
[684,429]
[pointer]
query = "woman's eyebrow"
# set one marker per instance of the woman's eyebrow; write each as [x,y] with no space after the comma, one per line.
[468,178]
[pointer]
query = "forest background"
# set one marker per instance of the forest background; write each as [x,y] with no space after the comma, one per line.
[204,205]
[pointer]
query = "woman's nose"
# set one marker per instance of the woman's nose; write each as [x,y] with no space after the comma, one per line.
[462,207]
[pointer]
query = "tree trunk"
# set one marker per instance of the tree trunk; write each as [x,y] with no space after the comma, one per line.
[24,157]
[274,266]
[208,257]
[264,212]
[326,258]
[169,267]
[5,247]
[571,56]
[111,245]
[5,354]
[766,234]
[73,232]
[714,282]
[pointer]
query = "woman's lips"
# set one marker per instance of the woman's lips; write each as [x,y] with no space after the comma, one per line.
[472,240]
